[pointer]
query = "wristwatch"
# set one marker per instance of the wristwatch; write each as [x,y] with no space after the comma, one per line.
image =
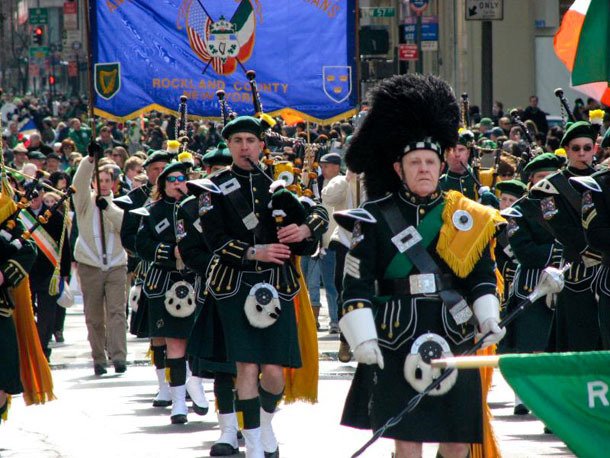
[250,253]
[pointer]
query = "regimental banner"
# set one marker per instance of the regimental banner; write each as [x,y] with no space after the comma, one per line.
[147,53]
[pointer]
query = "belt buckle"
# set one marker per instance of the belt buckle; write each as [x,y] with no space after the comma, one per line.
[422,284]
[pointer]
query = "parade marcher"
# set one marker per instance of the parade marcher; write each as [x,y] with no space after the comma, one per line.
[102,283]
[534,249]
[168,284]
[459,175]
[206,346]
[217,158]
[428,251]
[255,280]
[53,252]
[575,322]
[596,223]
[138,326]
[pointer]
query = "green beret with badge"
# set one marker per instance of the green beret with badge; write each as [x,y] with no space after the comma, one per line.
[248,124]
[157,156]
[579,129]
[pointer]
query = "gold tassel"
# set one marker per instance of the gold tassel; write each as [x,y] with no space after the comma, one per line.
[56,278]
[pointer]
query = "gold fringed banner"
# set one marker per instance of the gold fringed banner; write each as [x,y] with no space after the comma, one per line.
[302,383]
[490,447]
[35,372]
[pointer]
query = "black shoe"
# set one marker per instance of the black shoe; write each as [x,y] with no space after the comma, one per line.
[223,450]
[59,336]
[99,369]
[179,419]
[161,403]
[120,368]
[275,454]
[200,410]
[520,409]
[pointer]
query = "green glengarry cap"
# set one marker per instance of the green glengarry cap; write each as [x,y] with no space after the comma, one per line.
[218,156]
[513,187]
[247,124]
[158,156]
[543,163]
[466,138]
[174,166]
[578,130]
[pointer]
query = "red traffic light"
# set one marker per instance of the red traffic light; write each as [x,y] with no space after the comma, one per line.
[52,80]
[38,31]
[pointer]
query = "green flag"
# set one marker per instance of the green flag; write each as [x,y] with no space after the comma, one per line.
[569,392]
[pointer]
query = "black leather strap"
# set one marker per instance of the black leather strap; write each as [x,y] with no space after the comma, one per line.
[423,261]
[396,286]
[571,195]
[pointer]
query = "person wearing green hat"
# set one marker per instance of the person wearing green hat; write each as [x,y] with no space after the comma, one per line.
[218,158]
[137,267]
[255,280]
[460,175]
[534,248]
[168,286]
[576,323]
[595,216]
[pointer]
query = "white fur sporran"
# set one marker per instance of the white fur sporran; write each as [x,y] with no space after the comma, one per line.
[417,369]
[180,300]
[262,305]
[135,292]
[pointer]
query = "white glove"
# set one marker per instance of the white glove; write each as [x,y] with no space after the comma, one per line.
[491,324]
[368,352]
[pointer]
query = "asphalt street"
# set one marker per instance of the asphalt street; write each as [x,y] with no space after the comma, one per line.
[112,416]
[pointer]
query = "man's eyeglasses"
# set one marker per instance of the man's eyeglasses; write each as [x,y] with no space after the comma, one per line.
[586,148]
[173,179]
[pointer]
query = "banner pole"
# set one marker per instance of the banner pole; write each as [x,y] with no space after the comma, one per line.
[93,125]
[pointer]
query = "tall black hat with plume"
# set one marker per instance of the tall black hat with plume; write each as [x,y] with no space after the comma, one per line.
[406,110]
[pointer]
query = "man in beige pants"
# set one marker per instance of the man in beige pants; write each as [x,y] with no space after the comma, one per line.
[102,275]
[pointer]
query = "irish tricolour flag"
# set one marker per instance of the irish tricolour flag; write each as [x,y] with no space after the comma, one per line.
[583,45]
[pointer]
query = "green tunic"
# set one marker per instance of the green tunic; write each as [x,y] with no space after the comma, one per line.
[14,265]
[156,242]
[232,277]
[402,317]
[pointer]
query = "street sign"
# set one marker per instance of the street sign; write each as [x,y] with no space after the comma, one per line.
[38,16]
[385,11]
[407,52]
[480,10]
[34,70]
[70,16]
[418,6]
[429,28]
[429,45]
[39,52]
[72,69]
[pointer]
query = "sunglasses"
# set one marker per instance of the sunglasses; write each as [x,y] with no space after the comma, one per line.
[586,148]
[173,179]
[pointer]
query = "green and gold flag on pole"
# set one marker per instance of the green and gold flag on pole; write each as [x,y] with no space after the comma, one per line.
[569,392]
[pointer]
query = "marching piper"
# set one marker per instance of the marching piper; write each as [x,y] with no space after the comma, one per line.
[428,253]
[255,280]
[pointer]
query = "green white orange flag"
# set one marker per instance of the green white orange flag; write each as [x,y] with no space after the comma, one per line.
[569,392]
[582,43]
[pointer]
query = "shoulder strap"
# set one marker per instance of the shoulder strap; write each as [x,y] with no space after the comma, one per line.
[229,187]
[571,195]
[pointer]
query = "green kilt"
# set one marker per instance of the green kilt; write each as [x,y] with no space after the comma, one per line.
[276,344]
[10,379]
[160,322]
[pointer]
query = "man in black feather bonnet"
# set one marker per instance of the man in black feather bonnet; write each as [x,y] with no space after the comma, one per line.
[419,277]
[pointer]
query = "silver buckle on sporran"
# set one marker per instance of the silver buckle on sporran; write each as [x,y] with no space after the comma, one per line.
[422,284]
[417,369]
[262,307]
[180,300]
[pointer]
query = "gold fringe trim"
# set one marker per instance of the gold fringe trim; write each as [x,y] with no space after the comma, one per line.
[462,249]
[302,383]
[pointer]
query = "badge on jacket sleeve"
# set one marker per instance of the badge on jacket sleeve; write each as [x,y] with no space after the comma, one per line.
[547,205]
[512,227]
[357,235]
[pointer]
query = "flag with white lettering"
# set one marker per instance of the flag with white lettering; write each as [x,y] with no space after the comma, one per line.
[569,392]
[148,53]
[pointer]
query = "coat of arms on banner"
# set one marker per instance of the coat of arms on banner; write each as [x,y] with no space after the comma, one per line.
[221,43]
[337,82]
[107,79]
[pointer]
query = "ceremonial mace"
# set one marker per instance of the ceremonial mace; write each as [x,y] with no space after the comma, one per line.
[551,282]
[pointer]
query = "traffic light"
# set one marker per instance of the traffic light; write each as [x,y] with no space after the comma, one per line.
[37,35]
[51,80]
